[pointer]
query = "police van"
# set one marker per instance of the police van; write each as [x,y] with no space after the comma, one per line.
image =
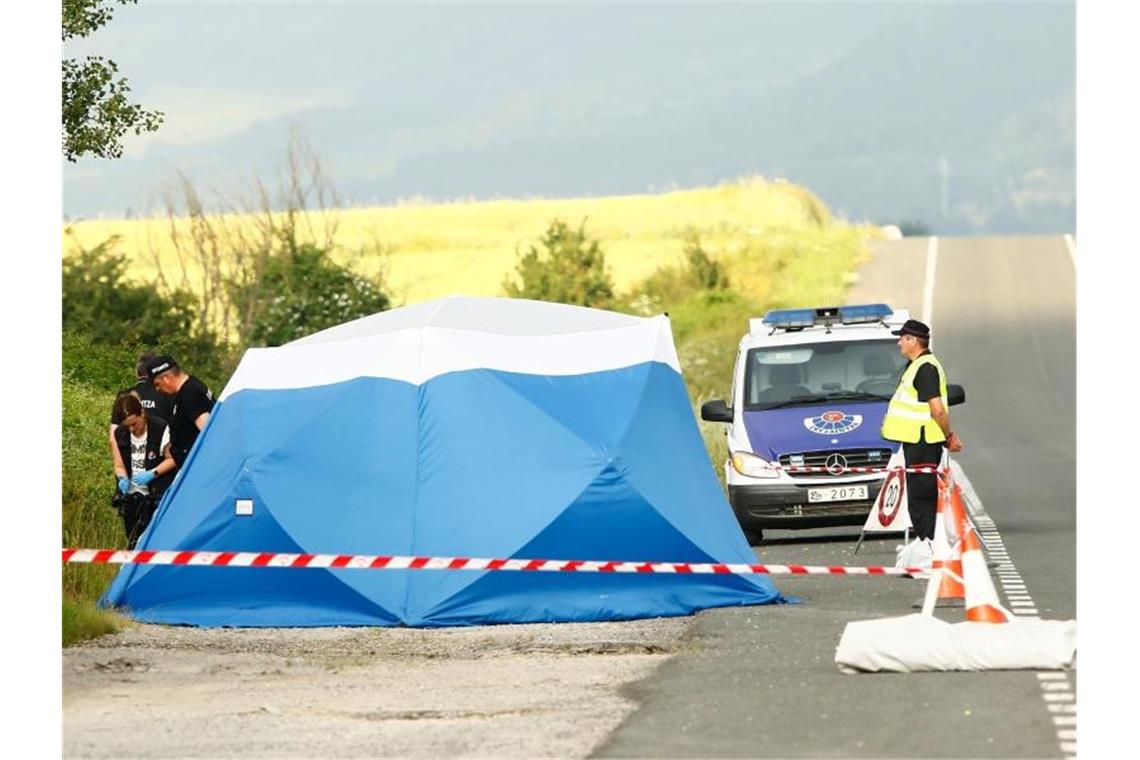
[809,392]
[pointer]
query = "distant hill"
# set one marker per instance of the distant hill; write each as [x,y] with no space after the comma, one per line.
[433,250]
[959,116]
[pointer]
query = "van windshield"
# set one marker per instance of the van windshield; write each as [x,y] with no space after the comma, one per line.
[814,373]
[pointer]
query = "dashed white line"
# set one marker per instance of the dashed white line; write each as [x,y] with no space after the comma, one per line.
[1067,696]
[1056,690]
[1055,686]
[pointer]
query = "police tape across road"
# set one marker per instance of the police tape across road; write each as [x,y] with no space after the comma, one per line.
[836,470]
[381,562]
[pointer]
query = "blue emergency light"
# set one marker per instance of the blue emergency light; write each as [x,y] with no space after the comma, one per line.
[790,319]
[798,319]
[871,312]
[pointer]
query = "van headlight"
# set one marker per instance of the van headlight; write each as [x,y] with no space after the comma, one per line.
[753,466]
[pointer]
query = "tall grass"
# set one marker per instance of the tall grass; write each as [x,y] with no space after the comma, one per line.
[88,518]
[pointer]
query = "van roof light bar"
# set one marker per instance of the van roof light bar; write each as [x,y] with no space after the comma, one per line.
[826,316]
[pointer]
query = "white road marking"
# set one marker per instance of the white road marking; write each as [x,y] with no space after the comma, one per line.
[1055,686]
[1056,691]
[928,287]
[1072,246]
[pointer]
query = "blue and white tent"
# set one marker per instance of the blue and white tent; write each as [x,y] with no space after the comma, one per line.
[463,427]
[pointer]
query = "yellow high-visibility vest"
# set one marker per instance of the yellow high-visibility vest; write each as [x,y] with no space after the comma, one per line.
[906,416]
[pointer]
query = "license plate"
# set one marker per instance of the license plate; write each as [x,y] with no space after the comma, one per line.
[837,493]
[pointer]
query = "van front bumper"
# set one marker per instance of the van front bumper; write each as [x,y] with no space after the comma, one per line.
[785,505]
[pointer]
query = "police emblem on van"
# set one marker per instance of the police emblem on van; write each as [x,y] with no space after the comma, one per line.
[831,423]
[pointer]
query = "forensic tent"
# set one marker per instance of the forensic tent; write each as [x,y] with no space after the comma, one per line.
[462,427]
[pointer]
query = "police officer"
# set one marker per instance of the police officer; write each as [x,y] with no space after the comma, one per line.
[919,418]
[193,403]
[153,402]
[147,468]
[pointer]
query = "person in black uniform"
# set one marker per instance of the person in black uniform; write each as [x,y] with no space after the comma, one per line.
[919,418]
[143,441]
[153,402]
[193,403]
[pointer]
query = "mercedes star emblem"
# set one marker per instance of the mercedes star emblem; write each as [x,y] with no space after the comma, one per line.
[836,463]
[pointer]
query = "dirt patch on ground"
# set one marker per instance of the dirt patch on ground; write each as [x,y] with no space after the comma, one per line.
[549,690]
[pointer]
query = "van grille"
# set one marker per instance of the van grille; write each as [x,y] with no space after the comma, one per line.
[854,457]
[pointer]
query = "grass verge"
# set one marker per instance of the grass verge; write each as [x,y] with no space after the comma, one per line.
[82,620]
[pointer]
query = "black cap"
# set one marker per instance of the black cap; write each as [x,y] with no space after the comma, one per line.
[159,364]
[913,327]
[140,367]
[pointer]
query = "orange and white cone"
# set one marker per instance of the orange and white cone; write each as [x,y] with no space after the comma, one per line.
[958,508]
[945,588]
[982,605]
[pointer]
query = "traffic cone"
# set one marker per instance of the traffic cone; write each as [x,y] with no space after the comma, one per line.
[982,605]
[958,508]
[946,566]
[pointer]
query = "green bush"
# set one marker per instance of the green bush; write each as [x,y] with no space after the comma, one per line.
[669,287]
[700,268]
[108,367]
[108,320]
[301,291]
[569,268]
[99,300]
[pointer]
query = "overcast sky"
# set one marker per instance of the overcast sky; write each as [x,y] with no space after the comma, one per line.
[446,100]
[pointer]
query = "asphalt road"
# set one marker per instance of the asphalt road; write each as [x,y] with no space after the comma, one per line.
[761,681]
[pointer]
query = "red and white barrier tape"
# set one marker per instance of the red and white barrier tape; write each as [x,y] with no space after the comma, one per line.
[927,469]
[381,562]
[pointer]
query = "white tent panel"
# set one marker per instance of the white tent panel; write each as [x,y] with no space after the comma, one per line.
[501,316]
[417,354]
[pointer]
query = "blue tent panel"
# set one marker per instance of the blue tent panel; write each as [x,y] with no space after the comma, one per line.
[605,465]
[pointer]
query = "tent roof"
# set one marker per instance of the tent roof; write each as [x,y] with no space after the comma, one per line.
[416,343]
[498,316]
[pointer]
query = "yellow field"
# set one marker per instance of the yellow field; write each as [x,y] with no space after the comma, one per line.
[469,247]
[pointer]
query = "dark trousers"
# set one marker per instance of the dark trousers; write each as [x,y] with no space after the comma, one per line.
[136,511]
[922,489]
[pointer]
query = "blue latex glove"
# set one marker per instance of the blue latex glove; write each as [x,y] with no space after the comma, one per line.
[143,478]
[124,484]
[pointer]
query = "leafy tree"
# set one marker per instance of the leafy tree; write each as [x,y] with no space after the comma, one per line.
[569,268]
[96,111]
[301,290]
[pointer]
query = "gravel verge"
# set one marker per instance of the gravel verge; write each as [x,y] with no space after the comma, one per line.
[542,690]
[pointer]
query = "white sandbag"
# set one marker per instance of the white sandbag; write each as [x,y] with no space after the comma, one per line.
[913,643]
[918,553]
